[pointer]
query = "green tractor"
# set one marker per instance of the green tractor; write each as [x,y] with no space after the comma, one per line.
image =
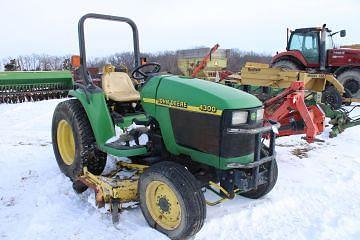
[183,136]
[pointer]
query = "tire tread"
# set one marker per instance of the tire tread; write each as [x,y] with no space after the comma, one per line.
[178,175]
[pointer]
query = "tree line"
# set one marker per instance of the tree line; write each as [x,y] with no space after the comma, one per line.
[167,60]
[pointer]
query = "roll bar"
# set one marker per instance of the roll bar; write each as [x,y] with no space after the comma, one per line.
[133,26]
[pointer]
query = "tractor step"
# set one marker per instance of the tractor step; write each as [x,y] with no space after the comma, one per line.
[119,145]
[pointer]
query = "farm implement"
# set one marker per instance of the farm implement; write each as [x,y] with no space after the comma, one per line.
[21,86]
[183,136]
[206,63]
[341,118]
[202,64]
[292,97]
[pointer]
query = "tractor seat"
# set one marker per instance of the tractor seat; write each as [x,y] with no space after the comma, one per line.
[119,87]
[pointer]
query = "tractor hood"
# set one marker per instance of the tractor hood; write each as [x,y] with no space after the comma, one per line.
[348,50]
[344,56]
[183,91]
[193,115]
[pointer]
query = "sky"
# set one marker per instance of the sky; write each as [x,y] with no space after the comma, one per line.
[50,27]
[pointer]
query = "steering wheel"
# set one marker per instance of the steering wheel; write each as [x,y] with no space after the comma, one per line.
[138,74]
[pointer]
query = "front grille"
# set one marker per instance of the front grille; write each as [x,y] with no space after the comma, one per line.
[197,131]
[237,145]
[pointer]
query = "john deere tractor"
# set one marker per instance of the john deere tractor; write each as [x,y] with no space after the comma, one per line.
[180,135]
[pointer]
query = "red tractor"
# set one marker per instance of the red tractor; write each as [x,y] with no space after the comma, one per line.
[313,49]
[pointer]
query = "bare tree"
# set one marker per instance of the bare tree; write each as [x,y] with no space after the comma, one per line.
[237,59]
[167,59]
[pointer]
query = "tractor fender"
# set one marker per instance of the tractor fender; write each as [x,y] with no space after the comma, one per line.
[344,68]
[98,114]
[293,56]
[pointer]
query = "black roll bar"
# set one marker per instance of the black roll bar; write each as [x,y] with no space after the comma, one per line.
[133,26]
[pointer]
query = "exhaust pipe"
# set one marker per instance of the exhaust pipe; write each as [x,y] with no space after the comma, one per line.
[323,48]
[287,38]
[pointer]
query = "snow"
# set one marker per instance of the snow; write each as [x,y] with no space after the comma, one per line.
[317,195]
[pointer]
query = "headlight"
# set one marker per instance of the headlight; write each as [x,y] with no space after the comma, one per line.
[260,114]
[239,117]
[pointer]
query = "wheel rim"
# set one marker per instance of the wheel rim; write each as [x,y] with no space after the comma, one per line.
[66,142]
[163,205]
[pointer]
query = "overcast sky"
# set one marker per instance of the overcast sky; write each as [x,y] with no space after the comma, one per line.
[45,26]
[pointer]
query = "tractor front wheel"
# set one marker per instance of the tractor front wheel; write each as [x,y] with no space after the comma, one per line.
[171,200]
[265,188]
[74,143]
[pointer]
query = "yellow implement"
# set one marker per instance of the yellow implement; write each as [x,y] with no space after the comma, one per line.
[114,189]
[260,74]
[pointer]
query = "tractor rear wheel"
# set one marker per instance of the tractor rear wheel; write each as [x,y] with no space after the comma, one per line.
[171,200]
[74,143]
[285,64]
[263,189]
[351,81]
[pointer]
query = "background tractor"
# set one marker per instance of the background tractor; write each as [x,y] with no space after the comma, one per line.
[183,135]
[313,49]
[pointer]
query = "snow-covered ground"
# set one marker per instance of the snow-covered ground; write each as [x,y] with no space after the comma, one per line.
[317,195]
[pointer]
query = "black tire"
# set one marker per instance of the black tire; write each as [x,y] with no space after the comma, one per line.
[351,81]
[86,152]
[263,189]
[190,199]
[285,64]
[79,187]
[332,97]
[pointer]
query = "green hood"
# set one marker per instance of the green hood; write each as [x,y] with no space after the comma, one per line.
[196,92]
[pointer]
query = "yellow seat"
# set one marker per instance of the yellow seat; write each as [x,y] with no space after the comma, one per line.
[119,87]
